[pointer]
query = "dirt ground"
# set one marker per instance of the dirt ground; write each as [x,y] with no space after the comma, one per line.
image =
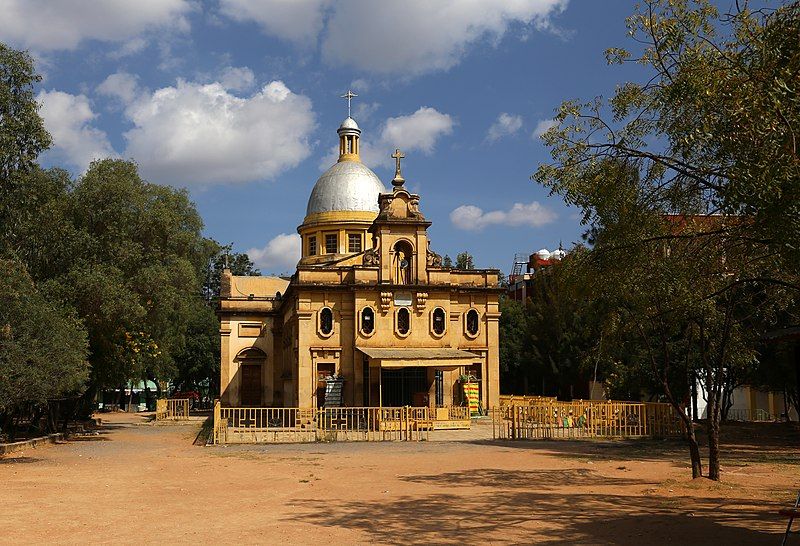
[139,483]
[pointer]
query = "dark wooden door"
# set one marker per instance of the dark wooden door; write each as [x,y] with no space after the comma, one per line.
[251,385]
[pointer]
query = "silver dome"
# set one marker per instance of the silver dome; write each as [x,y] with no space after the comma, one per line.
[348,185]
[349,123]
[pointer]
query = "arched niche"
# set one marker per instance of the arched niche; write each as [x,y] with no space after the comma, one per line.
[403,262]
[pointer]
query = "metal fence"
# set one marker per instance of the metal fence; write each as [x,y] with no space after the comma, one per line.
[750,415]
[288,425]
[585,419]
[523,400]
[175,409]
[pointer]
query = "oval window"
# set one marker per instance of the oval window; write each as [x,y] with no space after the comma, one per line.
[438,321]
[403,321]
[326,321]
[367,320]
[472,322]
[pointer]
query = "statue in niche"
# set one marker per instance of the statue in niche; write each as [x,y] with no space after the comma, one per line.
[402,263]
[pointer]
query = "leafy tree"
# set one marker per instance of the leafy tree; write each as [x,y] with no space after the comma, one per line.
[238,262]
[464,260]
[137,275]
[43,347]
[712,131]
[513,341]
[447,261]
[22,133]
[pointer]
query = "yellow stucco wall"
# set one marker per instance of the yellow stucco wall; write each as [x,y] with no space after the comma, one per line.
[291,336]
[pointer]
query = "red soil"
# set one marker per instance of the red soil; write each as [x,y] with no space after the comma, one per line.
[137,483]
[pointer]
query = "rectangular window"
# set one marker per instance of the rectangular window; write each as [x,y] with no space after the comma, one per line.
[331,243]
[354,242]
[312,245]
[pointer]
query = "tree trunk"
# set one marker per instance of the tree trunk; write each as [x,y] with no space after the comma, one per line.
[694,452]
[713,435]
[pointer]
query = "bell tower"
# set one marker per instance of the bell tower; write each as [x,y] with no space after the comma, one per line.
[400,235]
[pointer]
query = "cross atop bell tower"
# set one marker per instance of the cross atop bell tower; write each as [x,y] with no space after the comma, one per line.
[398,179]
[349,96]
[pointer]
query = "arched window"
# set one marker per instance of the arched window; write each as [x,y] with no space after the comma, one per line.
[403,321]
[326,321]
[367,320]
[438,319]
[472,322]
[403,262]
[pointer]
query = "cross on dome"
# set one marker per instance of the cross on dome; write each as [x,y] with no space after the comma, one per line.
[349,96]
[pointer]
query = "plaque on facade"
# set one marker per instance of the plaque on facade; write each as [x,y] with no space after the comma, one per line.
[402,299]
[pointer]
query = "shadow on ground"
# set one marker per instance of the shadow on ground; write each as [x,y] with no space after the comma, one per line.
[742,444]
[18,460]
[514,506]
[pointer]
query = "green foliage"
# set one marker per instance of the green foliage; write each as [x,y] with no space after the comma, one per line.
[43,345]
[464,260]
[22,133]
[239,263]
[690,190]
[546,344]
[447,261]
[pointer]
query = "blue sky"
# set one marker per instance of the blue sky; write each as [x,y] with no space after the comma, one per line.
[238,101]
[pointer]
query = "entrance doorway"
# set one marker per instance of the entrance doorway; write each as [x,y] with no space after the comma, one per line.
[405,387]
[476,372]
[324,371]
[251,385]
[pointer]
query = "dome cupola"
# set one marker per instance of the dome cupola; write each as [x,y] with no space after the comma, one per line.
[343,203]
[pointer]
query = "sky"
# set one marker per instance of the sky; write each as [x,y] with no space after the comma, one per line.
[238,101]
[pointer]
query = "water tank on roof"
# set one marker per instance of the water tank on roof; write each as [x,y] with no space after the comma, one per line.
[558,254]
[543,254]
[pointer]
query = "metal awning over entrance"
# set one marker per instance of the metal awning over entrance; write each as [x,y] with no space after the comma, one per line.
[441,358]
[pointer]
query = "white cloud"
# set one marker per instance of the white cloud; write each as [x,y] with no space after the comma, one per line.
[238,78]
[131,47]
[69,119]
[472,218]
[417,132]
[419,36]
[45,25]
[279,255]
[505,125]
[543,126]
[121,86]
[360,84]
[195,133]
[364,111]
[298,21]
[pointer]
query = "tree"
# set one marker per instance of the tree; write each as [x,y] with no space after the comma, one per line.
[36,368]
[447,261]
[464,260]
[513,341]
[712,131]
[22,133]
[238,262]
[136,276]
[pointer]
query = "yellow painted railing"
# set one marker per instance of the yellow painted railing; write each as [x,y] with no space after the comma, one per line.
[585,419]
[274,425]
[176,409]
[523,400]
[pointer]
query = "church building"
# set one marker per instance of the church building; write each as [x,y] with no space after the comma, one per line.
[370,310]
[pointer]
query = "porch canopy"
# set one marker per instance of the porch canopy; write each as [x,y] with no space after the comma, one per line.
[442,358]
